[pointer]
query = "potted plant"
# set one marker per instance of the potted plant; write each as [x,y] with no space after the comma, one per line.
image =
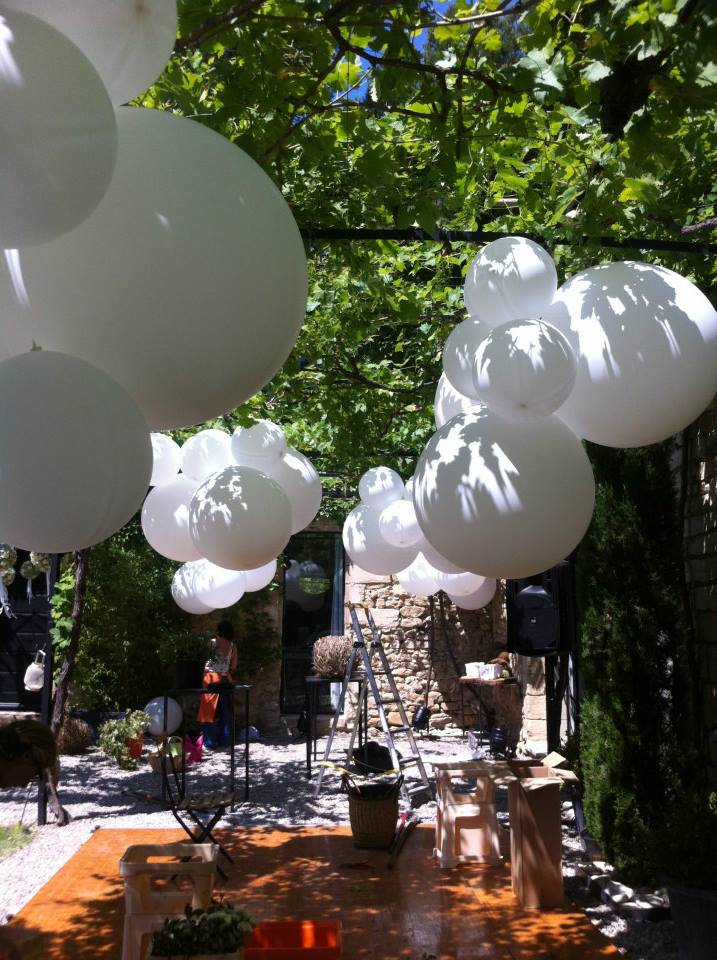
[688,851]
[122,738]
[217,933]
[330,656]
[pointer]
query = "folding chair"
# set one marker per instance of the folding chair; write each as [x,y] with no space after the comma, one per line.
[203,810]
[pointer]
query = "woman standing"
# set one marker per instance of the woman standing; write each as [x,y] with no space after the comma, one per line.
[215,708]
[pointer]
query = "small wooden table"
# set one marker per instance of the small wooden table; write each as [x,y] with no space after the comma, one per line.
[476,681]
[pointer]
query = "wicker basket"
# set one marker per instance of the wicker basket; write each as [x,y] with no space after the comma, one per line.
[169,753]
[373,814]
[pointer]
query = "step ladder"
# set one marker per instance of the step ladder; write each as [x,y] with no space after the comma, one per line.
[363,656]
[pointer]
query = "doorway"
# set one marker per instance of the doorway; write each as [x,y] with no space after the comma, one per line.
[313,608]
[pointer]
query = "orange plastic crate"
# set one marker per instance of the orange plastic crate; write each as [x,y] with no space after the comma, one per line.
[295,940]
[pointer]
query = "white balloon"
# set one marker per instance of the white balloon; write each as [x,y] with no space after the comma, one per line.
[367,548]
[165,519]
[436,559]
[420,578]
[504,498]
[398,525]
[58,133]
[646,343]
[479,598]
[449,403]
[380,486]
[293,594]
[299,480]
[207,452]
[260,577]
[163,722]
[128,41]
[258,446]
[178,273]
[460,584]
[76,455]
[183,591]
[216,586]
[166,459]
[524,369]
[509,279]
[240,518]
[459,353]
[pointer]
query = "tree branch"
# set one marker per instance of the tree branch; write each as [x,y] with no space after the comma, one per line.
[710,224]
[238,13]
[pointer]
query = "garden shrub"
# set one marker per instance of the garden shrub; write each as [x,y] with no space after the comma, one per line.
[636,720]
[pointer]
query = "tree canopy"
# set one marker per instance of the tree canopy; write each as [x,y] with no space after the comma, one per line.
[559,119]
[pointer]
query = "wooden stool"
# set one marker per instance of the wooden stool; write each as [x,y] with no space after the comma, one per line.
[146,907]
[467,827]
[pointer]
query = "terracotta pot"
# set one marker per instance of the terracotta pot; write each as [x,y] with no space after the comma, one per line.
[203,956]
[694,912]
[135,747]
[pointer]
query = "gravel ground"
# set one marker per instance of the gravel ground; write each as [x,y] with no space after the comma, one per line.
[97,793]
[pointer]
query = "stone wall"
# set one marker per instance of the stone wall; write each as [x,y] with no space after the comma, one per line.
[699,449]
[427,664]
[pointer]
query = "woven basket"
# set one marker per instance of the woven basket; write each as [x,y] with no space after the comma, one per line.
[169,753]
[373,822]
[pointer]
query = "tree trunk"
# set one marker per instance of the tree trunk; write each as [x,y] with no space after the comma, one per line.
[82,558]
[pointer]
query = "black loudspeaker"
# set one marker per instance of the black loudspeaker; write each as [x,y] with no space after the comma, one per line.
[541,612]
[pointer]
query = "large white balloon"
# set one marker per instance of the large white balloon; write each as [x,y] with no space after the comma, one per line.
[183,591]
[127,41]
[509,279]
[524,369]
[479,598]
[165,519]
[193,288]
[420,578]
[449,402]
[398,524]
[460,584]
[166,459]
[380,486]
[207,452]
[58,134]
[504,498]
[459,354]
[299,480]
[163,721]
[646,342]
[436,559]
[216,586]
[367,548]
[75,453]
[258,446]
[240,518]
[260,577]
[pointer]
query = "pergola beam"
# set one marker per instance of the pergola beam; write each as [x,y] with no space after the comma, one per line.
[418,235]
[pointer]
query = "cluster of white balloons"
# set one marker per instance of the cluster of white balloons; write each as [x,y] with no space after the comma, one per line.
[382,536]
[623,354]
[230,512]
[143,283]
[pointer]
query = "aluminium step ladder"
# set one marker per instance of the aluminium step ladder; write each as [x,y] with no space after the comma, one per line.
[363,656]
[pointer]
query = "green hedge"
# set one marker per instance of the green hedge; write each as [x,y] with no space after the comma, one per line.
[636,725]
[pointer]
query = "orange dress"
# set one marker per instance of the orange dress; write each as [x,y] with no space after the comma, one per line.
[216,670]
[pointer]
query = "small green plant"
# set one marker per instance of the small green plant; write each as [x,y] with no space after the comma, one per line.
[115,734]
[12,838]
[220,929]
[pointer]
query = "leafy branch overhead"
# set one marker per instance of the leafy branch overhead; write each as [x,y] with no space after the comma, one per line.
[548,117]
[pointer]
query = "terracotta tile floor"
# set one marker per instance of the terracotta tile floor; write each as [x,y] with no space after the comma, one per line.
[415,911]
